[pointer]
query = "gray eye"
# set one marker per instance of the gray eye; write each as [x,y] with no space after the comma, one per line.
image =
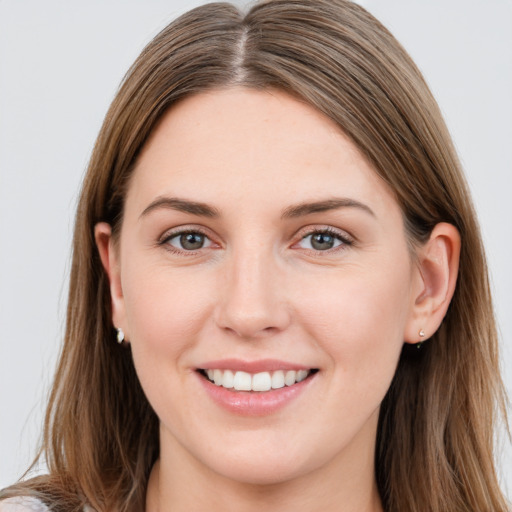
[320,241]
[189,241]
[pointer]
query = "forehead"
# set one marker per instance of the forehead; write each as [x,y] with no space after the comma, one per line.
[252,145]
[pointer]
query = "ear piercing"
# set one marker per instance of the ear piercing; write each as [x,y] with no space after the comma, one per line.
[120,335]
[421,334]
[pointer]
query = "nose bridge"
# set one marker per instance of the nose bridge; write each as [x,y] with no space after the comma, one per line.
[253,300]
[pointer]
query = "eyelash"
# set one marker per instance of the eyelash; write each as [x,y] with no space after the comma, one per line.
[345,240]
[167,237]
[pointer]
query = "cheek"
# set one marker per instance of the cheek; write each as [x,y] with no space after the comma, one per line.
[165,310]
[359,319]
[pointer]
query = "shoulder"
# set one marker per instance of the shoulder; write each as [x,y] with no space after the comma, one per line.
[23,504]
[29,504]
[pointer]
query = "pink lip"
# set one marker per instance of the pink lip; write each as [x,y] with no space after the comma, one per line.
[262,365]
[254,403]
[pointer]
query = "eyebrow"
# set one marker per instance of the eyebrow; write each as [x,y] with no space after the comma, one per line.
[182,205]
[294,211]
[303,209]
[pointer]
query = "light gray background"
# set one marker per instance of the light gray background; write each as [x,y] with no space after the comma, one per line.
[60,64]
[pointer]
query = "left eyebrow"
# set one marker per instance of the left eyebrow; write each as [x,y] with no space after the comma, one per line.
[303,209]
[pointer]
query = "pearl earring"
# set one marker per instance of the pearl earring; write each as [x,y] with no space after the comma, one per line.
[120,335]
[421,334]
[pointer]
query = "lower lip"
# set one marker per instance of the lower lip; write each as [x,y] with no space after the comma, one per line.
[254,403]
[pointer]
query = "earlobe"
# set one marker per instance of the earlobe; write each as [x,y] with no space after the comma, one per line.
[110,261]
[436,277]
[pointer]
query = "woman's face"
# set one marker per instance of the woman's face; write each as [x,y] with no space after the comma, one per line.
[257,240]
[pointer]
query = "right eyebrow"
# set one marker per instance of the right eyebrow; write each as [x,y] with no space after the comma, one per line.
[181,205]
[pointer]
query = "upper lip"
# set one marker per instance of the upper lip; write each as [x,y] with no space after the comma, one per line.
[261,365]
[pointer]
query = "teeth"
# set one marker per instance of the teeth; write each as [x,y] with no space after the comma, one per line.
[263,381]
[278,379]
[228,379]
[242,381]
[217,377]
[289,378]
[301,375]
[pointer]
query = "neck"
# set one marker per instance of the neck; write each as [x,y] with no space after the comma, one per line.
[231,497]
[184,484]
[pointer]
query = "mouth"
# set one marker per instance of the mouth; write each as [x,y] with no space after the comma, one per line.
[260,382]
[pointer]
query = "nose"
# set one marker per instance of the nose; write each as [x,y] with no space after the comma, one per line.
[252,297]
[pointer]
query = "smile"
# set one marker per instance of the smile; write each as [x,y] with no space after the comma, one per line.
[261,381]
[255,388]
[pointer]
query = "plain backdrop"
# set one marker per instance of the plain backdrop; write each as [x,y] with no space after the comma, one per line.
[60,65]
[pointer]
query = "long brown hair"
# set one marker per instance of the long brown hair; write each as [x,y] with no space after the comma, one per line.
[436,428]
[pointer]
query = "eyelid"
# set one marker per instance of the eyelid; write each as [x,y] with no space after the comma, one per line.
[183,230]
[180,230]
[346,239]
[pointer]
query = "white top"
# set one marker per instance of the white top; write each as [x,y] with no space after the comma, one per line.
[29,504]
[23,504]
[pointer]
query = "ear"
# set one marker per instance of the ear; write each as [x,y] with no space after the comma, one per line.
[436,272]
[110,260]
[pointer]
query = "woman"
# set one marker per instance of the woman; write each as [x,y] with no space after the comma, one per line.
[273,207]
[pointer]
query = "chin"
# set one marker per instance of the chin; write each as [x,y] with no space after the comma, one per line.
[259,474]
[263,466]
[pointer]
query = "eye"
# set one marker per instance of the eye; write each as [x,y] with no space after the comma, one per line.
[188,241]
[323,240]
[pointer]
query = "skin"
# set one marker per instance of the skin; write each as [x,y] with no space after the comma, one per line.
[259,289]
